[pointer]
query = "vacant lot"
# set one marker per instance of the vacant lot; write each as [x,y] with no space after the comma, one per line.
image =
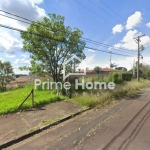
[98,98]
[10,100]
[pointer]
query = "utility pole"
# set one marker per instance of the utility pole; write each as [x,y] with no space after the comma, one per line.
[138,42]
[110,58]
[134,68]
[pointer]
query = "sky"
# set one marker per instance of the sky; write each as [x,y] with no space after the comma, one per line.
[111,22]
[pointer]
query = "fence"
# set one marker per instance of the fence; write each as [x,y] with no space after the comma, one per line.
[31,93]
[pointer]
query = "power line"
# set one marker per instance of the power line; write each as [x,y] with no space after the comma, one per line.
[109,46]
[87,40]
[112,10]
[94,12]
[14,19]
[94,49]
[104,10]
[32,33]
[113,48]
[16,15]
[145,49]
[145,62]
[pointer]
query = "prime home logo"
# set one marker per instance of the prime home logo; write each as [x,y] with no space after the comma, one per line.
[67,85]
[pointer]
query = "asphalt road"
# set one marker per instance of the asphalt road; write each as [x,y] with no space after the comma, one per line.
[123,125]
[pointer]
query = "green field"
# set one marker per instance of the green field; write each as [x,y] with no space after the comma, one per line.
[10,100]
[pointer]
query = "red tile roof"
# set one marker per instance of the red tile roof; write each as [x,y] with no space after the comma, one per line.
[87,71]
[103,70]
[108,69]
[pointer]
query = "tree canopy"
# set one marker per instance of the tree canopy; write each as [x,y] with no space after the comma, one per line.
[50,44]
[97,69]
[112,65]
[6,74]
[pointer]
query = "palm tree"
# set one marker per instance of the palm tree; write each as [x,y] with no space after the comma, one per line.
[112,65]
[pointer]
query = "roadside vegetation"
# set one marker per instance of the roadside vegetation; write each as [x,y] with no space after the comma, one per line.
[98,98]
[125,87]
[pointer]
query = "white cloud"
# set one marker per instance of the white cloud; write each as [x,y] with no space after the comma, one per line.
[21,61]
[129,36]
[25,55]
[36,1]
[134,20]
[148,25]
[145,41]
[6,40]
[129,61]
[18,71]
[129,43]
[10,56]
[10,41]
[90,50]
[1,59]
[117,28]
[88,60]
[126,62]
[30,11]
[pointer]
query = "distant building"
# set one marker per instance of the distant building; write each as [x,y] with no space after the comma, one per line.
[106,71]
[20,75]
[121,68]
[87,71]
[103,71]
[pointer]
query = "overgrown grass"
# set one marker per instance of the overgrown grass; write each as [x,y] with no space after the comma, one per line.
[10,100]
[98,98]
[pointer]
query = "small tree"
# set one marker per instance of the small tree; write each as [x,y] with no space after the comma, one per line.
[145,71]
[97,69]
[6,74]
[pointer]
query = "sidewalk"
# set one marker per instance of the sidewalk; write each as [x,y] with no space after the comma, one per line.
[14,126]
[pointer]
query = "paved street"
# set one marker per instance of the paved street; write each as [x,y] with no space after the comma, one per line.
[122,125]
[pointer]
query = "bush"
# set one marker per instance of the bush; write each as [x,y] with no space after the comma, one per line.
[116,77]
[113,77]
[127,76]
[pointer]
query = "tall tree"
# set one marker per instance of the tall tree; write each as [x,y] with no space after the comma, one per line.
[6,74]
[51,44]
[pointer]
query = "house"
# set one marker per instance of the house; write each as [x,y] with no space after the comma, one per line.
[88,72]
[121,68]
[106,71]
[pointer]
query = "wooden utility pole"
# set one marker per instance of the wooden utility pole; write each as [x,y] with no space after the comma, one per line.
[138,42]
[134,68]
[110,58]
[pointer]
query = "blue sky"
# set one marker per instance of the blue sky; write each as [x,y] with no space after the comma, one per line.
[128,19]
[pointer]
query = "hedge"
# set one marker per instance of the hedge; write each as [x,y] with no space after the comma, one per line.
[127,76]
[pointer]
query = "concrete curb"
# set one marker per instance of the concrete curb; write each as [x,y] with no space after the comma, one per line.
[23,137]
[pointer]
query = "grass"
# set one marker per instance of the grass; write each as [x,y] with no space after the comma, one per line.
[98,98]
[10,100]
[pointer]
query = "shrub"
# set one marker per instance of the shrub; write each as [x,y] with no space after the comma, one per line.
[127,76]
[113,77]
[116,77]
